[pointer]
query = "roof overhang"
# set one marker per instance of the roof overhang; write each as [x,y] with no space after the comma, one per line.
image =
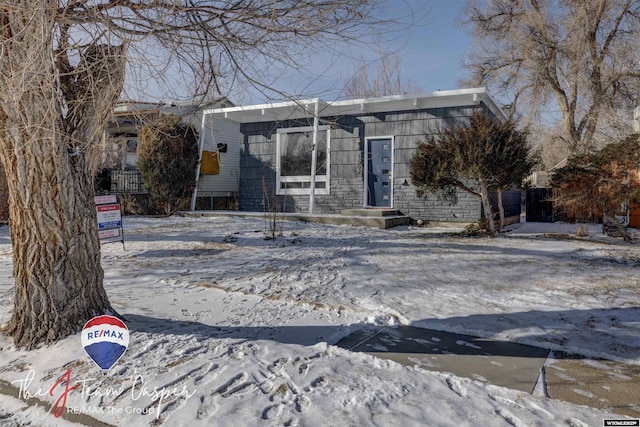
[292,110]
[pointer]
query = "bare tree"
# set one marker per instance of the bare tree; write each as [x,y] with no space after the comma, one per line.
[62,68]
[575,58]
[386,80]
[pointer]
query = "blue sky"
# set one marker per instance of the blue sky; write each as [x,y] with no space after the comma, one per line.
[435,49]
[430,54]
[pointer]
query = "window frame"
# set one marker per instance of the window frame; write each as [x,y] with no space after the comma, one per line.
[280,179]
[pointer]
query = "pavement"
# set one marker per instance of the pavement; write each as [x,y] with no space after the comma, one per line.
[603,384]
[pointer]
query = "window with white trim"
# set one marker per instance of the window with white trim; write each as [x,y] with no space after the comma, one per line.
[294,150]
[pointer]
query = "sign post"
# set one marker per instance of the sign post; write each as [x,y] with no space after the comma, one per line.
[109,219]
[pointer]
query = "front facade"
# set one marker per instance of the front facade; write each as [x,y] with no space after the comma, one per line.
[364,148]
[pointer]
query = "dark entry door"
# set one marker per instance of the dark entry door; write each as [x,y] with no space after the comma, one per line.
[379,170]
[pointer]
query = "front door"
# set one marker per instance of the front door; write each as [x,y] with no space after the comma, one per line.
[378,172]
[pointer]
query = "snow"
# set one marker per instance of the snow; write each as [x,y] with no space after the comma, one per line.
[227,328]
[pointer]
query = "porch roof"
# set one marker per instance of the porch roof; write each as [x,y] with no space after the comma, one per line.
[290,110]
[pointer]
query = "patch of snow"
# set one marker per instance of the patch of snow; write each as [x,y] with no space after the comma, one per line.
[240,331]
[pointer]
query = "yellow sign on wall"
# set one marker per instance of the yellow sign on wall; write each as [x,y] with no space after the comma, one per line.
[210,163]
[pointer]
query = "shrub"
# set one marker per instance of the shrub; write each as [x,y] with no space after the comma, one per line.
[167,159]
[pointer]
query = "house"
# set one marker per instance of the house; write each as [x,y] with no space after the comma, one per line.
[216,189]
[364,147]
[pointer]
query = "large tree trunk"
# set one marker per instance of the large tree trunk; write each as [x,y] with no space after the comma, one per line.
[56,252]
[52,119]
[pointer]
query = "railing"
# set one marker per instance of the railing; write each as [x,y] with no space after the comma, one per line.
[537,179]
[129,182]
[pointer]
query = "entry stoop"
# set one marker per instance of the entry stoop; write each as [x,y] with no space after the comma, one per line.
[371,212]
[379,218]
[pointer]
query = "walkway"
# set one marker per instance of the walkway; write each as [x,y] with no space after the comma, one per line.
[603,384]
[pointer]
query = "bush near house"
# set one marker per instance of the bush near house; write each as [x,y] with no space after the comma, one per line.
[596,185]
[167,159]
[480,157]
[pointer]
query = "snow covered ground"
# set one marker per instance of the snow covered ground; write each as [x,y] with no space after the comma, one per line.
[228,328]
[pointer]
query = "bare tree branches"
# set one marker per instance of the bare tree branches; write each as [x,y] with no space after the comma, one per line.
[387,79]
[224,41]
[577,57]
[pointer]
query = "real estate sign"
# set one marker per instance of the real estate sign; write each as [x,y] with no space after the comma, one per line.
[109,218]
[108,234]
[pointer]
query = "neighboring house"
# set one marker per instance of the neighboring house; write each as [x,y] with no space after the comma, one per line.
[364,150]
[539,197]
[539,194]
[120,175]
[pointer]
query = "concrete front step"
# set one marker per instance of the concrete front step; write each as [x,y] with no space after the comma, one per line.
[382,222]
[373,212]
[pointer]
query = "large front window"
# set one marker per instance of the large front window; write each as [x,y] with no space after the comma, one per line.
[294,158]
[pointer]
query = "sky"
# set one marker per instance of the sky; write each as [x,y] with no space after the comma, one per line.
[430,53]
[434,52]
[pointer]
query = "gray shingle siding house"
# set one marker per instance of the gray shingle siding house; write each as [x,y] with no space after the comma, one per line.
[364,150]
